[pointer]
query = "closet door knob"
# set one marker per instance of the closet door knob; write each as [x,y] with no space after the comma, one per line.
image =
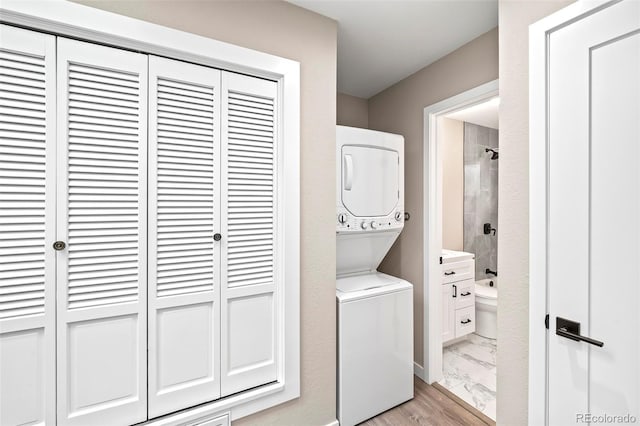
[217,237]
[59,245]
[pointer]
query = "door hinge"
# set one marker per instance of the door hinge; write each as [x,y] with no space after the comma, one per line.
[441,260]
[546,321]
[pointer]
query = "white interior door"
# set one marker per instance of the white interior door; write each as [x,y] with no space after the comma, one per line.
[101,205]
[249,247]
[594,216]
[27,227]
[184,216]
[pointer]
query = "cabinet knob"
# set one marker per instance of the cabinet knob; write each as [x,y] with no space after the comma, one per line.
[467,321]
[217,237]
[466,293]
[59,245]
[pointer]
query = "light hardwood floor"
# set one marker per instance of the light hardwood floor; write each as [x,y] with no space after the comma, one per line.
[429,406]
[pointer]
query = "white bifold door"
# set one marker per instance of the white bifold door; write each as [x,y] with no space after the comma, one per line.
[249,248]
[138,249]
[27,227]
[211,234]
[184,256]
[101,217]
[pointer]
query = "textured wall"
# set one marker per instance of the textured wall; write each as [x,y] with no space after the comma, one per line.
[513,211]
[286,30]
[451,139]
[399,109]
[480,197]
[352,111]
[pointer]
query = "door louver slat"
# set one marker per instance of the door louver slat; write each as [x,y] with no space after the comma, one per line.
[250,202]
[95,186]
[22,184]
[185,156]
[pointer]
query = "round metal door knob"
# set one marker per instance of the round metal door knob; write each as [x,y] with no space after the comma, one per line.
[217,237]
[59,245]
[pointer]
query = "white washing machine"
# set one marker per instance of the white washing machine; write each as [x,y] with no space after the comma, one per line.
[375,310]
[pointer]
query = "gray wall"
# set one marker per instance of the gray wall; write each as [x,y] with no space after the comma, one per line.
[282,29]
[399,109]
[513,256]
[480,196]
[352,111]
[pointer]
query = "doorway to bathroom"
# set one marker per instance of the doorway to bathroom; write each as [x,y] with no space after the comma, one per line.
[462,153]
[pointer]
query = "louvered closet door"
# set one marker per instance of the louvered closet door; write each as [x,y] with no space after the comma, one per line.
[249,298]
[101,275]
[27,226]
[184,259]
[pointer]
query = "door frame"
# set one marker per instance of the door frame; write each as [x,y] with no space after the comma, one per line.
[85,23]
[539,35]
[431,371]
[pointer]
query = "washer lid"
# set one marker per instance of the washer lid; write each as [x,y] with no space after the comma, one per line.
[365,282]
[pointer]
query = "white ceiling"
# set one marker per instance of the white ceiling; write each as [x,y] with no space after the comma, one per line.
[484,114]
[380,42]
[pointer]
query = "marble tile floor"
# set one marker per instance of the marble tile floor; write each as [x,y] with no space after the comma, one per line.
[469,369]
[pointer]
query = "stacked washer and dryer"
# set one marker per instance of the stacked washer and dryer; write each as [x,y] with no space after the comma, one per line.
[375,310]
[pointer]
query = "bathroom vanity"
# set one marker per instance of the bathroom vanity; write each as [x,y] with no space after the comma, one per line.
[458,294]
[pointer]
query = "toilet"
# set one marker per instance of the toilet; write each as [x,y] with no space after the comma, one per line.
[486,308]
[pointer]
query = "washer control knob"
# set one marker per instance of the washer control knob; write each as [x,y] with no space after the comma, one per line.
[374,225]
[342,218]
[398,216]
[364,225]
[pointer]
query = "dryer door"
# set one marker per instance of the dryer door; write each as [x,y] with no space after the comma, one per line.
[370,180]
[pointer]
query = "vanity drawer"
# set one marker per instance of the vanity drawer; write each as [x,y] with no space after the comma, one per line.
[465,321]
[466,293]
[458,271]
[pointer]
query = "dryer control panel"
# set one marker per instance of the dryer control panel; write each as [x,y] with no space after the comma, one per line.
[346,222]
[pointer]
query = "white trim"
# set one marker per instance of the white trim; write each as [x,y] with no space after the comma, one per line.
[539,34]
[418,371]
[97,26]
[432,242]
[333,423]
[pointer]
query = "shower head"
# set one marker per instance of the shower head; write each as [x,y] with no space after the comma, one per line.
[494,153]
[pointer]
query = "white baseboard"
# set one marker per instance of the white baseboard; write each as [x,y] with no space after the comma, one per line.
[418,370]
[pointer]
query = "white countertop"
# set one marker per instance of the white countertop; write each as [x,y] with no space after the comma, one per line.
[449,256]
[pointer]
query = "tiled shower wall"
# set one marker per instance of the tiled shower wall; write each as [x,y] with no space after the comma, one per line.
[480,196]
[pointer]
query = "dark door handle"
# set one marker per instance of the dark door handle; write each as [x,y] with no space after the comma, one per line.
[455,290]
[571,330]
[450,273]
[466,293]
[217,237]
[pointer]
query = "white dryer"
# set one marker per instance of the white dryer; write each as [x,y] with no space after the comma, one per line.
[375,310]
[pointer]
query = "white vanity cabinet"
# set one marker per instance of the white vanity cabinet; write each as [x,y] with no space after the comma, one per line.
[458,294]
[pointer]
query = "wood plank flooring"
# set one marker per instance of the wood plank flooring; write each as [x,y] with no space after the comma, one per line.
[429,407]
